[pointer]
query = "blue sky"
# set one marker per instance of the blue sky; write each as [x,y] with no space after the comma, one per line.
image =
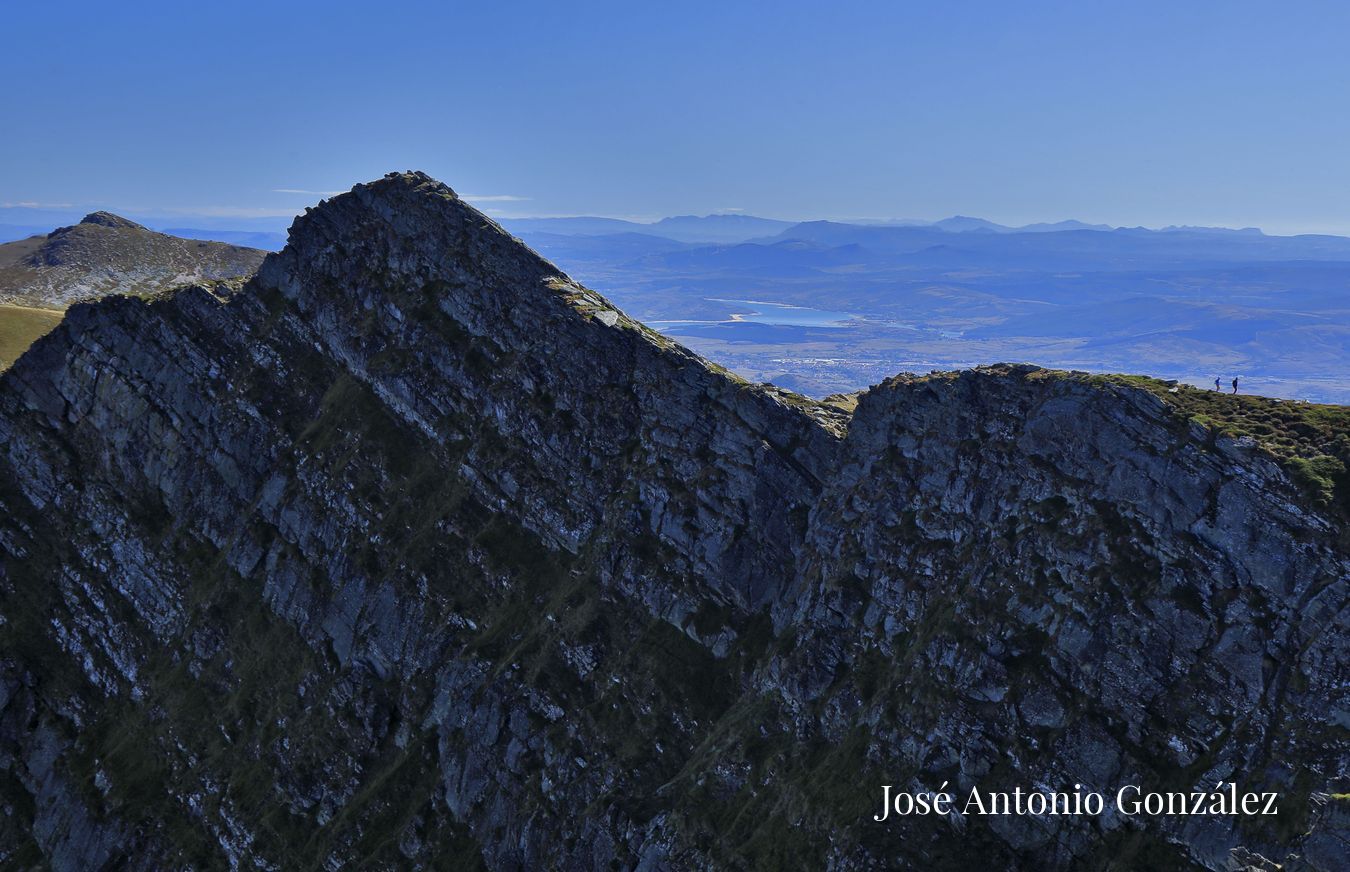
[1230,113]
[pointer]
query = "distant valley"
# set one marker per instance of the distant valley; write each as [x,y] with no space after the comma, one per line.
[1186,303]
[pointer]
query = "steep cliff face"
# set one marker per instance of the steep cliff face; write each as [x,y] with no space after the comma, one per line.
[415,552]
[1063,581]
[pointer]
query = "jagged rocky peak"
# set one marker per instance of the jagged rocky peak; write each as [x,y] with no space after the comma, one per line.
[415,548]
[407,212]
[108,219]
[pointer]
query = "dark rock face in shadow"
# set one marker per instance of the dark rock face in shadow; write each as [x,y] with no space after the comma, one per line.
[416,551]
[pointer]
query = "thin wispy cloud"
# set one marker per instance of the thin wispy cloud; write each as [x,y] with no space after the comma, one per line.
[304,191]
[227,212]
[30,204]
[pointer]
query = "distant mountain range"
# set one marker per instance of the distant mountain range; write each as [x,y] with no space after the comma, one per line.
[732,228]
[721,228]
[815,245]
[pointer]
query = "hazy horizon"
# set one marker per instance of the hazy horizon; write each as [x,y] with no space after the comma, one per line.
[34,214]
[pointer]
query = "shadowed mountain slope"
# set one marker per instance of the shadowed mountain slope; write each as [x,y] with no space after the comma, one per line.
[416,553]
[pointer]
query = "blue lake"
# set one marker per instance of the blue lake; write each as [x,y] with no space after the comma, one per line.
[762,312]
[760,321]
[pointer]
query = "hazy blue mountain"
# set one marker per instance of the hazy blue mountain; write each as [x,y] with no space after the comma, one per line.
[1060,226]
[1189,228]
[885,222]
[1124,248]
[902,238]
[796,257]
[268,241]
[682,228]
[966,224]
[604,248]
[718,228]
[573,226]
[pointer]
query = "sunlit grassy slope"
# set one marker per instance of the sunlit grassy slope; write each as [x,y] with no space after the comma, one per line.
[20,327]
[1312,440]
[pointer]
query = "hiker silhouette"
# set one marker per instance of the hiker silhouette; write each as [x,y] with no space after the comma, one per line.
[1234,384]
[1216,383]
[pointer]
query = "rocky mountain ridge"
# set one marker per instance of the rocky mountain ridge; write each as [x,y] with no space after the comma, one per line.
[416,553]
[105,254]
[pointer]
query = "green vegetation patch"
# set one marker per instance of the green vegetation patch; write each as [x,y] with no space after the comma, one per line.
[1310,440]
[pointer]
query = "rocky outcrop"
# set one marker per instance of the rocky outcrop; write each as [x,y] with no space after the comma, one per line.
[416,551]
[108,219]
